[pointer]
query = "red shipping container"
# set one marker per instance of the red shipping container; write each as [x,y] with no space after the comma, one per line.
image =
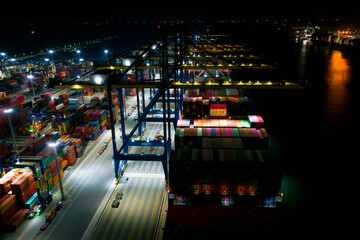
[21,180]
[24,196]
[53,170]
[51,165]
[18,219]
[71,156]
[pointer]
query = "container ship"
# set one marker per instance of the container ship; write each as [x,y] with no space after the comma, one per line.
[221,172]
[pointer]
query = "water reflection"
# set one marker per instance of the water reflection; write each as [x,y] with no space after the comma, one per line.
[337,76]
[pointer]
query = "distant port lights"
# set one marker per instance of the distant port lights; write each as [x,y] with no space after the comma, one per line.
[229,83]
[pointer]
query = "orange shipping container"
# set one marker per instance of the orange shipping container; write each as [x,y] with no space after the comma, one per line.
[11,200]
[56,180]
[8,208]
[64,163]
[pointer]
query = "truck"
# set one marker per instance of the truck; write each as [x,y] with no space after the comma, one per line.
[50,216]
[102,149]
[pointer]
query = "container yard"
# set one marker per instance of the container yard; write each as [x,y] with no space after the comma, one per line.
[28,166]
[167,127]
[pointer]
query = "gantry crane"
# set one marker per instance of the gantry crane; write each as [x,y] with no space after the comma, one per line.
[168,59]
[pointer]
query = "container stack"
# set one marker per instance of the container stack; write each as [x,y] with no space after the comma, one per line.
[102,119]
[25,148]
[115,102]
[64,98]
[88,92]
[6,180]
[192,107]
[237,138]
[24,187]
[256,121]
[32,201]
[78,145]
[221,157]
[97,119]
[195,107]
[71,156]
[19,115]
[130,92]
[69,109]
[95,130]
[2,97]
[83,130]
[51,175]
[60,107]
[12,84]
[14,206]
[5,148]
[213,123]
[52,136]
[3,123]
[8,208]
[67,126]
[38,145]
[55,127]
[26,104]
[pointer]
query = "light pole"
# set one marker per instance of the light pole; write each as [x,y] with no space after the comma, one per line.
[2,61]
[52,58]
[106,54]
[31,77]
[78,52]
[54,145]
[8,112]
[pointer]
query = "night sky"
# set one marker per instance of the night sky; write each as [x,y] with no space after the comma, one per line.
[59,10]
[53,19]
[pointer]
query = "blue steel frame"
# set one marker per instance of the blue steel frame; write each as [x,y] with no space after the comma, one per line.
[121,155]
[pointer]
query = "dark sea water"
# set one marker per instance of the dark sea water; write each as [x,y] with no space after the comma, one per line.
[314,136]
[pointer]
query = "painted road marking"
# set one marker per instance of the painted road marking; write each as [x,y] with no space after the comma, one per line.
[144,215]
[114,213]
[134,203]
[115,228]
[149,210]
[140,208]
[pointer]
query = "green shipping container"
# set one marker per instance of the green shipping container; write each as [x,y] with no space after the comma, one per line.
[48,160]
[51,185]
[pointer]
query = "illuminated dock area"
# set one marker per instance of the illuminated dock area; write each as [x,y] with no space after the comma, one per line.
[139,212]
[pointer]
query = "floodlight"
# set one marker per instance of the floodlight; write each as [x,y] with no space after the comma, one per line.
[52,144]
[98,79]
[127,62]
